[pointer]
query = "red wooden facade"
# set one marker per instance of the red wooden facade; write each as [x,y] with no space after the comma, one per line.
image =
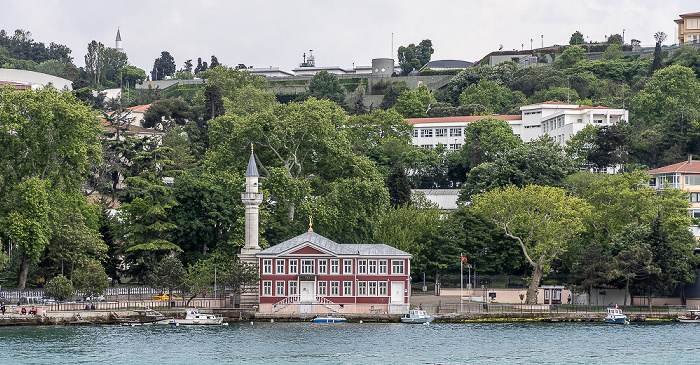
[313,269]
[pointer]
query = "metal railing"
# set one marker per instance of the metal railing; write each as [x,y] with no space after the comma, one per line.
[474,307]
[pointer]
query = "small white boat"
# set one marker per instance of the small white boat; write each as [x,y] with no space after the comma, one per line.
[328,319]
[615,316]
[195,317]
[417,316]
[694,317]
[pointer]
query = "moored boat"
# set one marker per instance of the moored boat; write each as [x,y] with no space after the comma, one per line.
[147,317]
[616,316]
[328,319]
[194,316]
[694,317]
[417,316]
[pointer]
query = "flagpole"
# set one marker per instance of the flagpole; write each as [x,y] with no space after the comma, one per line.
[461,281]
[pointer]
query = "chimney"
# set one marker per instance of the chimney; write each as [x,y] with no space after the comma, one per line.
[690,159]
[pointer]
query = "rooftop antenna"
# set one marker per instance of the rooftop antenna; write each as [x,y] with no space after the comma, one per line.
[391,53]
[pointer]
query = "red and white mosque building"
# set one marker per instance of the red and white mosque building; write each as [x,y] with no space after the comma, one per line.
[312,274]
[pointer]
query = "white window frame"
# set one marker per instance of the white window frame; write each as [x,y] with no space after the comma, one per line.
[361,288]
[426,132]
[383,267]
[323,266]
[279,288]
[335,288]
[293,288]
[372,288]
[335,267]
[372,267]
[347,288]
[280,265]
[397,267]
[383,289]
[294,266]
[455,132]
[361,267]
[267,288]
[307,266]
[267,266]
[347,267]
[322,288]
[440,132]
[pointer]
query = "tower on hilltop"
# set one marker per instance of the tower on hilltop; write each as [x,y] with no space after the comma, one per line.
[118,42]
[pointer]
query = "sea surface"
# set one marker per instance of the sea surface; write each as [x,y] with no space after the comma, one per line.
[354,343]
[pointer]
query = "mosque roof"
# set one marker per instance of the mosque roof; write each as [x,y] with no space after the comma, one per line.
[325,245]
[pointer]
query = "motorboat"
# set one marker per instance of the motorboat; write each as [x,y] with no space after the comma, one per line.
[616,316]
[694,317]
[147,317]
[417,316]
[328,319]
[194,316]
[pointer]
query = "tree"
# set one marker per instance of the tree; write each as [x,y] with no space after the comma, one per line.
[615,39]
[415,103]
[236,275]
[94,61]
[576,39]
[535,163]
[113,61]
[326,86]
[497,99]
[163,66]
[485,140]
[670,89]
[570,57]
[613,52]
[399,186]
[165,114]
[132,75]
[169,274]
[660,37]
[91,279]
[540,219]
[49,141]
[373,129]
[414,57]
[59,288]
[392,93]
[214,62]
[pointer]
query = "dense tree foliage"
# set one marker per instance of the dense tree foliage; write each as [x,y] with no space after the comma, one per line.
[414,57]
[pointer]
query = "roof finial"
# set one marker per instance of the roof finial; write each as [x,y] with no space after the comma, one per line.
[251,147]
[311,224]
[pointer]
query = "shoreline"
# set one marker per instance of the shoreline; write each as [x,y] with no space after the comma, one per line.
[242,315]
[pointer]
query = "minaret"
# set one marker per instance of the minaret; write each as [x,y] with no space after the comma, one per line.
[251,199]
[118,42]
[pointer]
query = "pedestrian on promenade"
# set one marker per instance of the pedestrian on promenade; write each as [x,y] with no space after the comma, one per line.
[3,309]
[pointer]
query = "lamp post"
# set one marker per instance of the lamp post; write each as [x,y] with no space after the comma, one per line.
[216,265]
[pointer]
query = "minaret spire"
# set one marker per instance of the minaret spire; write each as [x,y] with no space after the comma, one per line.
[118,42]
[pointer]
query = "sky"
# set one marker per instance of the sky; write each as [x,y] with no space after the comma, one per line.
[277,33]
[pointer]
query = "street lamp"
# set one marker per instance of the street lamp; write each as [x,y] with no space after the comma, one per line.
[216,265]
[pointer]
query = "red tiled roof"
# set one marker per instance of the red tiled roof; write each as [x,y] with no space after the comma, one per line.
[689,14]
[549,103]
[682,167]
[461,119]
[583,107]
[139,108]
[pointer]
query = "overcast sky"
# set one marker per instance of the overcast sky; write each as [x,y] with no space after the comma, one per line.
[277,33]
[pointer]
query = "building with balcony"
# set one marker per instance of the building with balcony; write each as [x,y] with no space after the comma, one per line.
[684,176]
[688,28]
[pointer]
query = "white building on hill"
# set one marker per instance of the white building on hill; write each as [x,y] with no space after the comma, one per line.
[558,120]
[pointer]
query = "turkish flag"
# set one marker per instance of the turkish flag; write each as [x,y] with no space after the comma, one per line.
[464,259]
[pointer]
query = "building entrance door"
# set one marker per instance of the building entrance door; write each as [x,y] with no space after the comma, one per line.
[308,292]
[397,292]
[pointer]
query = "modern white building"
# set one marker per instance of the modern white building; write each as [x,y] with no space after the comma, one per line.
[558,120]
[23,79]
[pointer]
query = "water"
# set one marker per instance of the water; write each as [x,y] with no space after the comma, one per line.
[353,343]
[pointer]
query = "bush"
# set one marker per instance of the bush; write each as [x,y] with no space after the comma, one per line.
[60,288]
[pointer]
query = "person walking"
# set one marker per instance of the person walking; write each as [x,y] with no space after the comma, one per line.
[3,309]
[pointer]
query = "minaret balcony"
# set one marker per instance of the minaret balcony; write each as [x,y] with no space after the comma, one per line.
[252,198]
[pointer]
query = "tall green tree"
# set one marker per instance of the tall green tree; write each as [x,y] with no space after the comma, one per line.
[326,86]
[669,90]
[541,219]
[576,39]
[415,103]
[49,141]
[399,186]
[163,66]
[414,57]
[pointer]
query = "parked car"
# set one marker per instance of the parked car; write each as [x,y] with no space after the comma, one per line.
[166,296]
